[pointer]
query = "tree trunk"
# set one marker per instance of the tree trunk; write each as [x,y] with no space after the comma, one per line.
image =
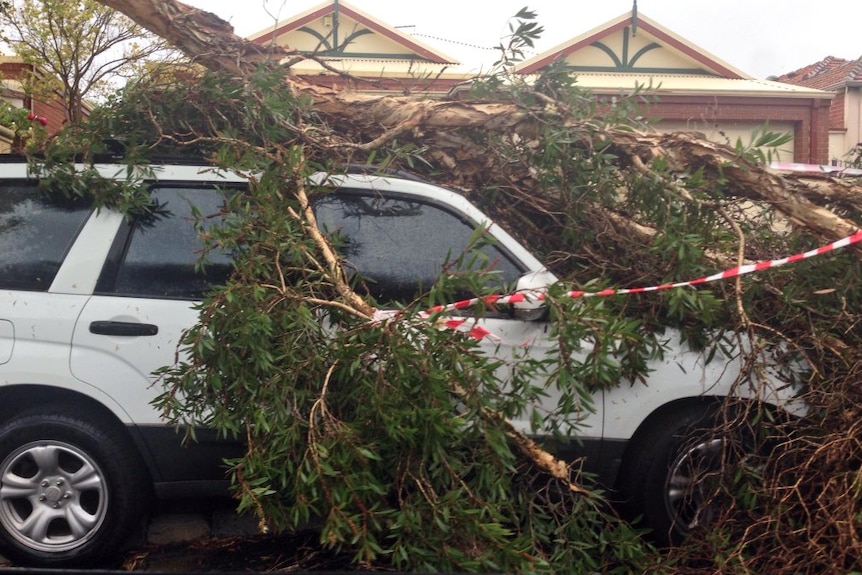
[211,42]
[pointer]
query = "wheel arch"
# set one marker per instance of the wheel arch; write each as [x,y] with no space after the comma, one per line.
[17,399]
[659,415]
[654,419]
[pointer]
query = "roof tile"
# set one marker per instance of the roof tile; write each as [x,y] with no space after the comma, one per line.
[828,74]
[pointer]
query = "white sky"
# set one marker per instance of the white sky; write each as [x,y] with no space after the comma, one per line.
[760,37]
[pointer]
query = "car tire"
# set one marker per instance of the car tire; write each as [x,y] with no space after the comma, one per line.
[71,489]
[672,472]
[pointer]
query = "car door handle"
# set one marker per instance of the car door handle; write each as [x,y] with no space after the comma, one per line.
[123,328]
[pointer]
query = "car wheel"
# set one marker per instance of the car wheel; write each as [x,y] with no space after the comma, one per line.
[71,490]
[672,473]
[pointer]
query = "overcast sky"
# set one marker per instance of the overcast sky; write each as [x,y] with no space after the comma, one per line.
[760,37]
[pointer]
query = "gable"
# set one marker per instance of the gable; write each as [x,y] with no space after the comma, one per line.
[338,30]
[632,44]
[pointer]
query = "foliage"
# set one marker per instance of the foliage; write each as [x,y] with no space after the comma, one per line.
[523,32]
[390,433]
[854,157]
[80,50]
[763,145]
[26,127]
[375,449]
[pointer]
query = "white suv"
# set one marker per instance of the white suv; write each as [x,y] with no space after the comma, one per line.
[91,304]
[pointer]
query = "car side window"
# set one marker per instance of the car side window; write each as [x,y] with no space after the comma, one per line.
[161,256]
[399,246]
[36,232]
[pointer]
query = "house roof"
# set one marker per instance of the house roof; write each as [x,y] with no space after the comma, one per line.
[631,51]
[829,73]
[695,85]
[633,43]
[337,29]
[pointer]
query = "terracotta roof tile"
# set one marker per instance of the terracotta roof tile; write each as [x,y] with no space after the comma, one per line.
[827,74]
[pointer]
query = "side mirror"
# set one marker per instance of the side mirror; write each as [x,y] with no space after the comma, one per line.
[532,308]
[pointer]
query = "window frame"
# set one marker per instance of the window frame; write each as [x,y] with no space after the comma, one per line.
[108,277]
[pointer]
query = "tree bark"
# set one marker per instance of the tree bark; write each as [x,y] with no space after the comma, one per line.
[200,35]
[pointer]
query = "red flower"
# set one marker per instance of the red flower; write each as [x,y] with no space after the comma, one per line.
[31,116]
[43,120]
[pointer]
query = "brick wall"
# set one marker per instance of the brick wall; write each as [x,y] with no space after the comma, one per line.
[836,112]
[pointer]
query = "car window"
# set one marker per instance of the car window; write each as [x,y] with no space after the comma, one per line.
[399,246]
[36,231]
[160,258]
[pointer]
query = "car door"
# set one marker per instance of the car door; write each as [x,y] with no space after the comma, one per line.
[144,299]
[398,244]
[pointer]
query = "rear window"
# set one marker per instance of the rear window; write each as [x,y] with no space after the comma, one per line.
[36,232]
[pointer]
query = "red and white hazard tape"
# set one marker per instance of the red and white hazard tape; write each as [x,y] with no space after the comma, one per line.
[474,330]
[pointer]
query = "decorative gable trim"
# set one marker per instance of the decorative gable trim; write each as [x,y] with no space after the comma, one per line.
[625,62]
[336,46]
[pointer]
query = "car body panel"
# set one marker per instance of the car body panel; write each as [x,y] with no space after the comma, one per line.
[123,366]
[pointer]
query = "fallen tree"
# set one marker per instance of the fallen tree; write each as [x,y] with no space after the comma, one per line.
[607,202]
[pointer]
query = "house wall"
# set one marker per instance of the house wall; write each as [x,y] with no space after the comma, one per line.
[53,112]
[836,111]
[309,39]
[625,47]
[808,118]
[852,97]
[7,137]
[837,147]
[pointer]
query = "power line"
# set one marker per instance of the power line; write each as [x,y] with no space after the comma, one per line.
[446,40]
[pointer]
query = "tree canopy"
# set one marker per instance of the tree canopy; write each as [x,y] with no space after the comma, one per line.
[84,47]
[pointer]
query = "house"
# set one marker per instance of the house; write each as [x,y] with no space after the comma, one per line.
[843,78]
[347,48]
[695,91]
